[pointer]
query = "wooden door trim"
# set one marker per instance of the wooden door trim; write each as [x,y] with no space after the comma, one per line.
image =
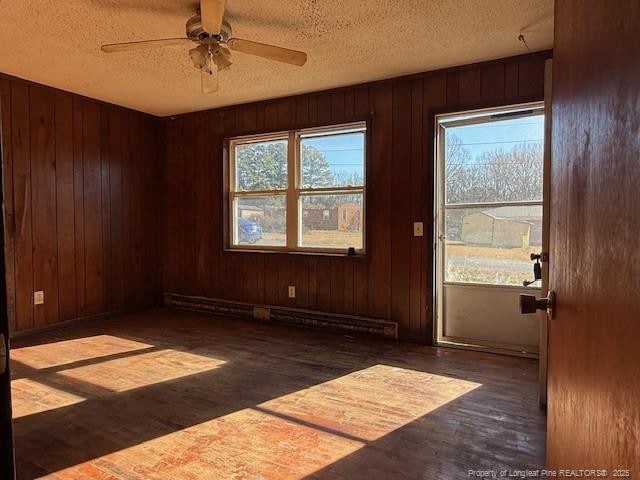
[7,455]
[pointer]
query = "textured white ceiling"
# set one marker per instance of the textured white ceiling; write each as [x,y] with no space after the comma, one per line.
[58,42]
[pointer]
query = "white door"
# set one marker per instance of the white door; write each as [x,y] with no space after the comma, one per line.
[489,223]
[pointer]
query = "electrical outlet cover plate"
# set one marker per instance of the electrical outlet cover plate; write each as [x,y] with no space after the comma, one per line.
[292,291]
[418,229]
[38,297]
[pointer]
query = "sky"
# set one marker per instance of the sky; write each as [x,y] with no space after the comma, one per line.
[481,138]
[345,153]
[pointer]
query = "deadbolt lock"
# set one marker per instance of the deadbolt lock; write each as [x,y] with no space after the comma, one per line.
[531,304]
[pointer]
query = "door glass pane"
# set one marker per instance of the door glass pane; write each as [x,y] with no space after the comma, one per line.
[494,161]
[332,160]
[261,166]
[260,220]
[333,220]
[492,245]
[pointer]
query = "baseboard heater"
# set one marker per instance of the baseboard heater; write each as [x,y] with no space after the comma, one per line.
[286,315]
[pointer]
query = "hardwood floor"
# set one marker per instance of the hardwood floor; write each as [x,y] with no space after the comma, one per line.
[176,395]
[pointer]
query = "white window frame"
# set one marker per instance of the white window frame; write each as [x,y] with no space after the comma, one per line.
[294,190]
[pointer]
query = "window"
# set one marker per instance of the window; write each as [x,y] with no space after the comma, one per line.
[301,190]
[490,199]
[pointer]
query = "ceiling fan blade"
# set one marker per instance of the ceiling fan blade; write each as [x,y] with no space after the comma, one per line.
[129,46]
[279,54]
[211,14]
[209,79]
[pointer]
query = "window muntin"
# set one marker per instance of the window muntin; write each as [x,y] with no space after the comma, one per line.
[302,190]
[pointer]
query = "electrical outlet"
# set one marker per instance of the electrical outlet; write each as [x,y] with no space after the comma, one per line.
[292,291]
[418,229]
[38,297]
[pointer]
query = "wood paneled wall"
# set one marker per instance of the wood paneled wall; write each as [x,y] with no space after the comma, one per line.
[82,187]
[394,281]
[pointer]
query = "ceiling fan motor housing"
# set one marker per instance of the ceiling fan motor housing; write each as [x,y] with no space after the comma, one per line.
[197,33]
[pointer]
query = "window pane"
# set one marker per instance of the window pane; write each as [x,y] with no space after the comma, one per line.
[261,166]
[332,160]
[261,220]
[332,220]
[492,245]
[495,161]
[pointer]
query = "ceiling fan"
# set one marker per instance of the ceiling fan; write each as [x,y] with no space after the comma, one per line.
[212,33]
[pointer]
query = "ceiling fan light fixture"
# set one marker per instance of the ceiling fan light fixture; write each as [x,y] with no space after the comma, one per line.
[221,56]
[200,56]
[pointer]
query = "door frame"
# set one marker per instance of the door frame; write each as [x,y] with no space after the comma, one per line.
[546,237]
[438,188]
[7,455]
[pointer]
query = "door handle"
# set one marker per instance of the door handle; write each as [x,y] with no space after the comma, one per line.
[531,304]
[3,355]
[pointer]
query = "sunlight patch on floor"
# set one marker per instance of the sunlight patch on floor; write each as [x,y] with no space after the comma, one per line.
[370,403]
[243,445]
[69,351]
[144,369]
[29,397]
[289,437]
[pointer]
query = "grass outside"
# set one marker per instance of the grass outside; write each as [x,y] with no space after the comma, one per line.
[331,238]
[518,254]
[489,265]
[316,238]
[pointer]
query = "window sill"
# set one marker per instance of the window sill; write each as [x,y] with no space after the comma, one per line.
[308,253]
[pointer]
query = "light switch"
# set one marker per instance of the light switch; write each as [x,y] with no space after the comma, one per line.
[418,229]
[38,297]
